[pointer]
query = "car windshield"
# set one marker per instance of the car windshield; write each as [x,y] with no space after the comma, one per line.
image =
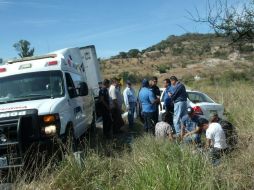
[31,86]
[197,97]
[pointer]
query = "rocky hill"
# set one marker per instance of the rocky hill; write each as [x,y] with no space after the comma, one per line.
[190,56]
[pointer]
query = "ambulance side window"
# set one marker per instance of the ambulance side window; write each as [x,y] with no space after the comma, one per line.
[70,86]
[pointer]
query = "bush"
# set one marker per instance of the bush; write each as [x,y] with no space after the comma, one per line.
[177,50]
[220,55]
[135,78]
[162,68]
[133,53]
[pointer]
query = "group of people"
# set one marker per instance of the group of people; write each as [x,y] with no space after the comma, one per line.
[179,122]
[111,101]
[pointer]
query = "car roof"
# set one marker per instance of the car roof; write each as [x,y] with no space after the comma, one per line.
[187,90]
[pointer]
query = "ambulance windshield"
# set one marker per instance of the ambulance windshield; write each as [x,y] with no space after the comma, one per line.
[31,86]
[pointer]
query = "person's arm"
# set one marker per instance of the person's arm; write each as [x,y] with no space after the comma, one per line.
[182,130]
[170,136]
[170,133]
[152,98]
[192,132]
[208,139]
[125,97]
[208,143]
[176,92]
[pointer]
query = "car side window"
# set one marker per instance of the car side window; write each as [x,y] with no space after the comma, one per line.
[70,86]
[195,98]
[198,97]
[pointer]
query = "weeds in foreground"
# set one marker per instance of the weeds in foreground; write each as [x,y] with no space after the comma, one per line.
[153,164]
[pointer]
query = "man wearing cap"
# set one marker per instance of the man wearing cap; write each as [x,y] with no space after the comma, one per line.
[148,103]
[190,132]
[215,139]
[179,97]
[130,100]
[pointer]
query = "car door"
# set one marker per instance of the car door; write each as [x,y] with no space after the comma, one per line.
[76,106]
[86,104]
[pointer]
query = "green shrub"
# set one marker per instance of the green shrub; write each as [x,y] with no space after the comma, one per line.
[162,68]
[135,78]
[177,50]
[220,54]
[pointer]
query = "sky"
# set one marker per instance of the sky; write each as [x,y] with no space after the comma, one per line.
[111,25]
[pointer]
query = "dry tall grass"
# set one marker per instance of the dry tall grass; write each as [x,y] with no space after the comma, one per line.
[162,165]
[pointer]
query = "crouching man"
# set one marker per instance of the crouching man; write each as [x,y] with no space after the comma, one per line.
[163,130]
[190,132]
[215,139]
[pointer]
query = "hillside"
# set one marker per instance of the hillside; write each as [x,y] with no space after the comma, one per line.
[186,56]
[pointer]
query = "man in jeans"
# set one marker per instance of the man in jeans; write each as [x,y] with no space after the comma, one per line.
[130,102]
[179,97]
[149,103]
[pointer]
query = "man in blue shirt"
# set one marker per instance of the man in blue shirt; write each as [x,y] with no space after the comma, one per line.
[168,103]
[190,132]
[148,103]
[130,101]
[179,97]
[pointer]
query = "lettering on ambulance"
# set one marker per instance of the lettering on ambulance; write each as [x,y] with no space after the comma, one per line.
[12,114]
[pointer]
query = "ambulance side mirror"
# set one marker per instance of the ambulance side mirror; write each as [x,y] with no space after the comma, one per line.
[83,90]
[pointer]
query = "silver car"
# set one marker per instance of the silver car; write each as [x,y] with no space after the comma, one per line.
[202,104]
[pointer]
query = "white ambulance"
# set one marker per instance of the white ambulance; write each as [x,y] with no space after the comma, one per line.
[41,98]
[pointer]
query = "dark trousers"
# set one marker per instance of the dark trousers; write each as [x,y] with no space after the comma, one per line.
[150,118]
[117,120]
[156,114]
[216,155]
[107,123]
[169,115]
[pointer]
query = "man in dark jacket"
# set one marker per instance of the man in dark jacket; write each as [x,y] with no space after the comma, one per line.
[105,109]
[157,94]
[179,97]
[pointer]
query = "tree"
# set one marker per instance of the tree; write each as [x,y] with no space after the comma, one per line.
[23,47]
[234,22]
[133,53]
[122,55]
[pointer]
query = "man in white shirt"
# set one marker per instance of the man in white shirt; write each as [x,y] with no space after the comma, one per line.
[215,139]
[130,101]
[114,107]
